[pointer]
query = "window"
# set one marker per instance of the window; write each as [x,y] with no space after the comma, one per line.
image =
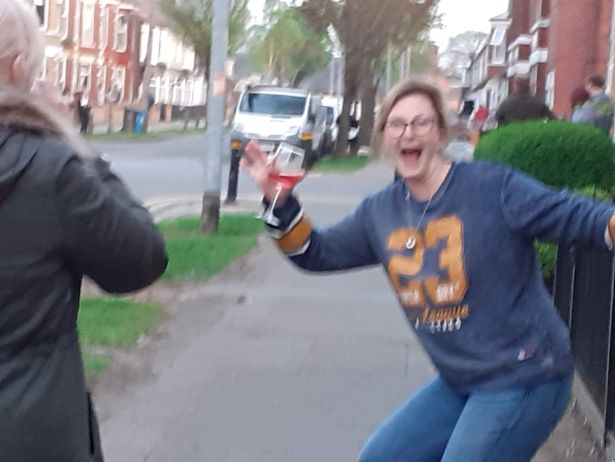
[263,103]
[61,72]
[121,33]
[104,27]
[118,77]
[40,7]
[56,16]
[83,80]
[538,9]
[87,31]
[497,37]
[101,74]
[62,12]
[55,69]
[534,79]
[550,89]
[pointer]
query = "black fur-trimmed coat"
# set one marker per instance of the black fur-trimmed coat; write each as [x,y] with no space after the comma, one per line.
[63,215]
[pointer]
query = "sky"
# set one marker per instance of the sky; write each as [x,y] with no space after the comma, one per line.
[457,16]
[463,15]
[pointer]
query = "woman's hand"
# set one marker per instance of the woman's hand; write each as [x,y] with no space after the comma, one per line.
[262,170]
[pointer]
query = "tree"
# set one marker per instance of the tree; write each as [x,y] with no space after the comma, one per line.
[288,48]
[459,53]
[191,20]
[366,28]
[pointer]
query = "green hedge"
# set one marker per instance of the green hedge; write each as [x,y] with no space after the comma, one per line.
[558,153]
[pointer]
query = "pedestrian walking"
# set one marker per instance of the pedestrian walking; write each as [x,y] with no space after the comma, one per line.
[82,112]
[522,105]
[598,109]
[578,98]
[456,240]
[63,215]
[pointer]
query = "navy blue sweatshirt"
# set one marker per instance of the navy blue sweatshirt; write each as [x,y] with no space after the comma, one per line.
[471,285]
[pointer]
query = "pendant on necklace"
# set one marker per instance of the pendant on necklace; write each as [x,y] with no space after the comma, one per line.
[410,243]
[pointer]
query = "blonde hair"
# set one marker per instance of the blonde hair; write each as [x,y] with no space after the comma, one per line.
[20,36]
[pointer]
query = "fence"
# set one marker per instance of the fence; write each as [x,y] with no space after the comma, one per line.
[583,292]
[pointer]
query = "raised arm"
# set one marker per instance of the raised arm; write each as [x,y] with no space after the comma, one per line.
[553,215]
[108,236]
[342,246]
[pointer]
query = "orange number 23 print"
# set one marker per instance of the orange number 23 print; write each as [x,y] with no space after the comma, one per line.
[440,291]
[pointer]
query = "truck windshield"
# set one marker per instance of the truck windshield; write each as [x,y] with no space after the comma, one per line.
[268,103]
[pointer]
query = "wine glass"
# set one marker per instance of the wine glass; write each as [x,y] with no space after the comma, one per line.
[288,171]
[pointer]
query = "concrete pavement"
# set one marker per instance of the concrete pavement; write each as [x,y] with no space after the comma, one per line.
[265,363]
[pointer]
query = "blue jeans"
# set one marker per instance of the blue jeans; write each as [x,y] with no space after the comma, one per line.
[439,424]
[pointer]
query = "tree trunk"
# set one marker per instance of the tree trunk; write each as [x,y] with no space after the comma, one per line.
[368,103]
[341,145]
[350,95]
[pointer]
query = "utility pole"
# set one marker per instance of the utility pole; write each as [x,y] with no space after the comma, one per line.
[216,91]
[388,68]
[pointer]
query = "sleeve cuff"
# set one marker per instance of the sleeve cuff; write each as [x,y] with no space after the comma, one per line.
[609,232]
[288,213]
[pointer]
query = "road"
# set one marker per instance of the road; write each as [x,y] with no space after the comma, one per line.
[173,169]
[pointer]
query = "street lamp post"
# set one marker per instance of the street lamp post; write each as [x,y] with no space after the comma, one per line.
[216,89]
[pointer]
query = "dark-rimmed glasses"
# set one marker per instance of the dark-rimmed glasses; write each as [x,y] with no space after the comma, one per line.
[421,126]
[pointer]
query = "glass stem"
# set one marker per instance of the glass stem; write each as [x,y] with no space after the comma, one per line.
[271,218]
[278,191]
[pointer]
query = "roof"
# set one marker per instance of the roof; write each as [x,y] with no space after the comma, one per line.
[501,17]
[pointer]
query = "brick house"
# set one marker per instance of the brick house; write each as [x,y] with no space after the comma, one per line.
[485,79]
[98,47]
[90,45]
[557,44]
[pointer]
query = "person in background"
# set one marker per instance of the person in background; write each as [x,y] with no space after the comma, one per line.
[598,109]
[578,97]
[522,105]
[457,243]
[82,112]
[63,215]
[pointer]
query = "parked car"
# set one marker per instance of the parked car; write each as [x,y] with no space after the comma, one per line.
[272,115]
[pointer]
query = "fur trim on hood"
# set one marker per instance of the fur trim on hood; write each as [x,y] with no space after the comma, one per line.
[24,112]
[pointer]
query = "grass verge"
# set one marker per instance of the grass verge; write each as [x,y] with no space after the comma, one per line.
[341,164]
[149,136]
[94,362]
[193,255]
[110,322]
[119,322]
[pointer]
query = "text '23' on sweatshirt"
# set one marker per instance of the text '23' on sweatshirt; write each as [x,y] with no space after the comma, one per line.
[471,285]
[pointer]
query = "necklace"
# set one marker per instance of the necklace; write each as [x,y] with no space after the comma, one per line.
[411,242]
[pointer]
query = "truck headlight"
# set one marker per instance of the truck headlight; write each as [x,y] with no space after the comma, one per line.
[291,131]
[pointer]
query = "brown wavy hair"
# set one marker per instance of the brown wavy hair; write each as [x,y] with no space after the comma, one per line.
[408,88]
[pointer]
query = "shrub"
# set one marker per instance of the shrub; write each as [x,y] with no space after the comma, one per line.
[558,153]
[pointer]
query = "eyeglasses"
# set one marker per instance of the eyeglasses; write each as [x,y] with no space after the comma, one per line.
[421,126]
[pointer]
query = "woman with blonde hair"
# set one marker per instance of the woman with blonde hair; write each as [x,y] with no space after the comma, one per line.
[63,215]
[457,242]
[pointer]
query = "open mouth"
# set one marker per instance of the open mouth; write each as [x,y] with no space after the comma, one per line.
[411,155]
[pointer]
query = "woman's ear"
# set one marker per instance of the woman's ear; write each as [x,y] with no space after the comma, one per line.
[17,75]
[443,136]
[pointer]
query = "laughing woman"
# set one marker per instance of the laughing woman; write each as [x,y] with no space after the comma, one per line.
[456,240]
